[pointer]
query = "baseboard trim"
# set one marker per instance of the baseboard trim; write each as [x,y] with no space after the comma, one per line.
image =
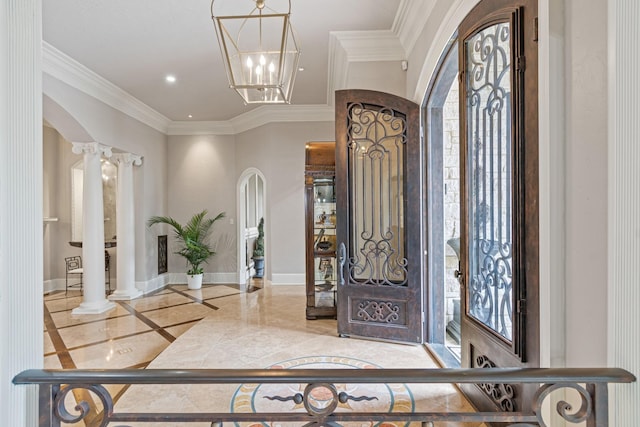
[287,279]
[154,284]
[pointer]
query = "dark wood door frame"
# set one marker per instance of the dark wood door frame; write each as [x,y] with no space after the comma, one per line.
[379,283]
[482,347]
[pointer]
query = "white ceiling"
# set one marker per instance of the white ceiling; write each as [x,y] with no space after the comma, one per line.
[134,44]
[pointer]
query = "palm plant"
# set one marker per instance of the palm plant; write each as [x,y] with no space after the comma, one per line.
[194,238]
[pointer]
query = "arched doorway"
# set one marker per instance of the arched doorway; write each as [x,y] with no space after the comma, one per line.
[441,118]
[251,192]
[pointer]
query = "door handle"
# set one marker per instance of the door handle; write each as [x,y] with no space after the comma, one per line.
[459,274]
[342,254]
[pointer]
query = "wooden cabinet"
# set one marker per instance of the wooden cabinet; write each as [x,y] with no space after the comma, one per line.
[320,206]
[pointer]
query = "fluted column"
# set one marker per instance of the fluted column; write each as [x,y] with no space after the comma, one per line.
[93,296]
[20,207]
[624,207]
[125,225]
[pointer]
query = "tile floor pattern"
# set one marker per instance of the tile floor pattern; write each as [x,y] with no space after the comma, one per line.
[215,327]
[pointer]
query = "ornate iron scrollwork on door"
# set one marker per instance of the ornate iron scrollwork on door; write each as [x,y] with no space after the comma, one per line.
[376,161]
[490,195]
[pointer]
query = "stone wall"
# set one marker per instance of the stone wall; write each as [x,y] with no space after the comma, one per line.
[451,143]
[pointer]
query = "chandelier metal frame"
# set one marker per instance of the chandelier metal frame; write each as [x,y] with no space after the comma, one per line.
[260,52]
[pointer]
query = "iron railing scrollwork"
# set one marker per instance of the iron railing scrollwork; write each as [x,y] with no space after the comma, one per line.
[55,386]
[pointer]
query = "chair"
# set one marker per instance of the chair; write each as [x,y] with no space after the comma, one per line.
[107,269]
[74,268]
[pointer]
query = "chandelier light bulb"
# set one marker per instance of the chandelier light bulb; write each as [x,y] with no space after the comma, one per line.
[262,60]
[249,62]
[272,68]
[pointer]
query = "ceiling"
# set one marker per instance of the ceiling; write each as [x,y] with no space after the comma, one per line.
[135,44]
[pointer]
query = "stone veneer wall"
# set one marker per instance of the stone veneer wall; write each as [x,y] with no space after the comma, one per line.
[451,142]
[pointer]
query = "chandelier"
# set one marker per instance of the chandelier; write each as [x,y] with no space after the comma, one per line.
[260,53]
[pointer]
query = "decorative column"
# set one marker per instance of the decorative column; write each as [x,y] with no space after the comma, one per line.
[624,208]
[20,207]
[94,300]
[126,254]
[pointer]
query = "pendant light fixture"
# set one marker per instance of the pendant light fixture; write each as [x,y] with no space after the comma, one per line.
[260,52]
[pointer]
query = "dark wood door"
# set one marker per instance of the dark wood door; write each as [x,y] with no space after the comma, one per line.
[499,187]
[378,206]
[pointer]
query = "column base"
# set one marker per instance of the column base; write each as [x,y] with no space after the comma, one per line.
[125,294]
[94,307]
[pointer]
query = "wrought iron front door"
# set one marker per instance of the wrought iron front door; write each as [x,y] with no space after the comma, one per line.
[378,205]
[499,178]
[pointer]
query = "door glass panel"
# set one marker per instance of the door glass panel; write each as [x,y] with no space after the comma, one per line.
[488,103]
[376,180]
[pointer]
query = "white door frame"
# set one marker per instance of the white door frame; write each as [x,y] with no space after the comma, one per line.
[261,208]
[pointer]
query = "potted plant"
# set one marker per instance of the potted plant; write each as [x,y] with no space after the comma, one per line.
[258,251]
[193,238]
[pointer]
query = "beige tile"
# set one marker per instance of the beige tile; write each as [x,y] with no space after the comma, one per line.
[211,291]
[94,332]
[65,318]
[176,331]
[48,344]
[62,304]
[158,301]
[249,330]
[122,353]
[52,362]
[179,314]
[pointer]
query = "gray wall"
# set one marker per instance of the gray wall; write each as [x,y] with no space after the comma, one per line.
[201,175]
[586,182]
[278,151]
[58,160]
[87,119]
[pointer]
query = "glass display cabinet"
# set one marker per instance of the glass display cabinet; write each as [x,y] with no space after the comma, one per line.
[320,206]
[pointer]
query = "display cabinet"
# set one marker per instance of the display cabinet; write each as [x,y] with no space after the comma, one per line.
[320,206]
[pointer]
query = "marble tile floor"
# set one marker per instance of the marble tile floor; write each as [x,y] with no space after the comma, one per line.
[220,327]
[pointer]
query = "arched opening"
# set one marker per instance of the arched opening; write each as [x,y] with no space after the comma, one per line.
[441,118]
[251,190]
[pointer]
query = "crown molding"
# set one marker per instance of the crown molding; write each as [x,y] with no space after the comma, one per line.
[359,46]
[363,46]
[255,118]
[66,69]
[410,20]
[282,113]
[338,67]
[200,128]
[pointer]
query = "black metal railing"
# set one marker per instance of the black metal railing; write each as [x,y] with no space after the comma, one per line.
[590,384]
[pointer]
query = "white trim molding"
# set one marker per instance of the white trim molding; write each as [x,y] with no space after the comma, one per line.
[359,46]
[411,15]
[255,118]
[66,69]
[288,279]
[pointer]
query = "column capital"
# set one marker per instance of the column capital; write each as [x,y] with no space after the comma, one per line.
[127,159]
[91,148]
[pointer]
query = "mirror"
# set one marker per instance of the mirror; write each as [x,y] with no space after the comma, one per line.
[109,188]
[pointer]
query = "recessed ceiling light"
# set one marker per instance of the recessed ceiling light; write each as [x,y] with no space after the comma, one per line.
[170,78]
[190,116]
[300,68]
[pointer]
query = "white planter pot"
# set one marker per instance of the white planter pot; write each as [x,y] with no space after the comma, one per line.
[194,281]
